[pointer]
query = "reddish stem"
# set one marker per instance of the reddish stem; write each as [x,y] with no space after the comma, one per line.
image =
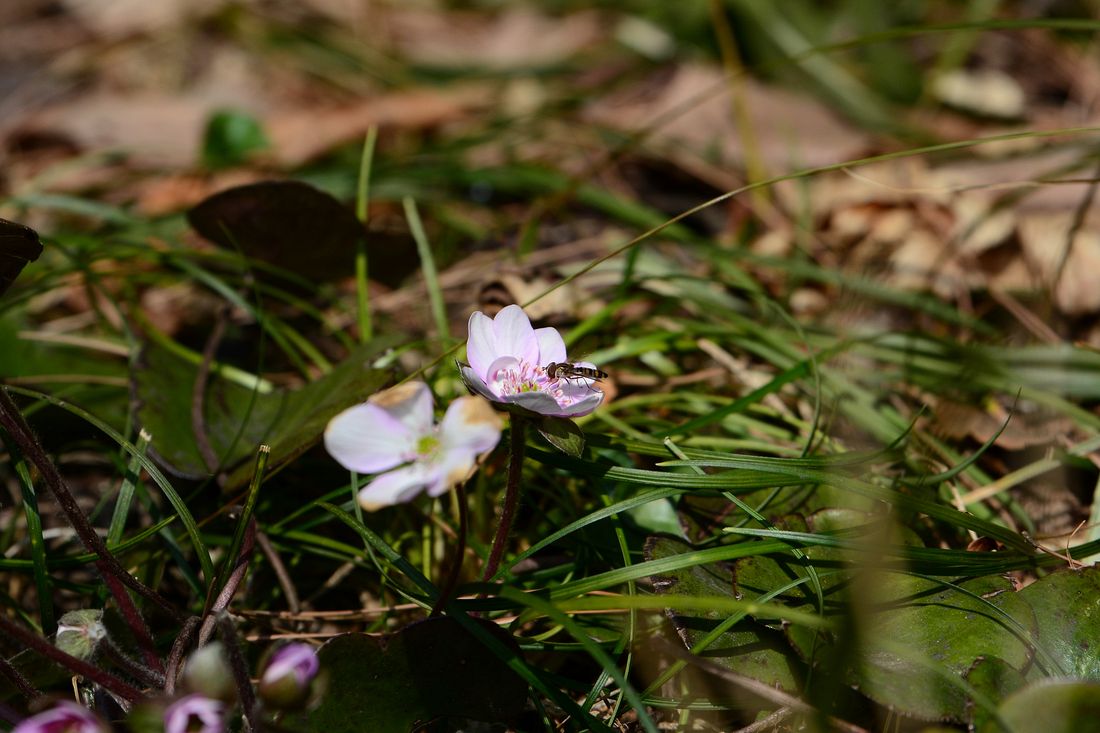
[78,666]
[116,576]
[518,445]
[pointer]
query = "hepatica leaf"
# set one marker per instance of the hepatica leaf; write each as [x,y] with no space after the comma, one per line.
[238,421]
[1067,608]
[562,433]
[288,224]
[747,648]
[921,637]
[1054,706]
[427,671]
[18,246]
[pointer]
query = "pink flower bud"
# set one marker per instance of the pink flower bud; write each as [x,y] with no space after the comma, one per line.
[288,675]
[65,717]
[194,714]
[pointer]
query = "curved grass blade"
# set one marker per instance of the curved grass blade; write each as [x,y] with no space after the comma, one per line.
[159,479]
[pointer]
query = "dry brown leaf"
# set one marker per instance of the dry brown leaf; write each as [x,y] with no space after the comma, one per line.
[924,261]
[955,420]
[157,130]
[695,109]
[516,37]
[512,286]
[1072,277]
[113,19]
[169,194]
[172,307]
[299,135]
[166,131]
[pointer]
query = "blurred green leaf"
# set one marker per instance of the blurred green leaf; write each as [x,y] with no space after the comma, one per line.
[1055,706]
[231,138]
[397,683]
[1069,628]
[237,420]
[563,434]
[916,622]
[746,647]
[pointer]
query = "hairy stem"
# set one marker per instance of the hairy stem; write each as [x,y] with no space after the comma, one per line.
[101,677]
[517,448]
[179,648]
[247,697]
[137,670]
[16,677]
[116,576]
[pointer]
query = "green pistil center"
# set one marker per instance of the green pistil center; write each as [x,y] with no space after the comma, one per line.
[427,445]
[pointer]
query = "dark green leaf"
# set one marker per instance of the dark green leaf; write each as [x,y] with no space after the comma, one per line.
[1069,627]
[919,635]
[1054,706]
[289,422]
[18,246]
[301,230]
[746,648]
[429,670]
[563,434]
[996,679]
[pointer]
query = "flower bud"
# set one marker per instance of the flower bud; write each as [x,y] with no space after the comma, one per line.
[65,717]
[208,673]
[188,714]
[79,633]
[288,676]
[195,714]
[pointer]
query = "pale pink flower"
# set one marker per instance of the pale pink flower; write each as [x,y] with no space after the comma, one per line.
[508,360]
[394,434]
[195,714]
[297,660]
[288,675]
[65,717]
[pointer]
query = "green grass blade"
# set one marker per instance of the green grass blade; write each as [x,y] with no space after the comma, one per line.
[159,479]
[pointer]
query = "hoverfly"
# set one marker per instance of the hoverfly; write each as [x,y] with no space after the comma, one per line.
[562,370]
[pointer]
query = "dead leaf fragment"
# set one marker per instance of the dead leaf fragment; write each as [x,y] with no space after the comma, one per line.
[694,108]
[516,37]
[983,91]
[1072,276]
[113,19]
[299,135]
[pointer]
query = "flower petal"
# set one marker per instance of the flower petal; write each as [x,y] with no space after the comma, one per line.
[481,343]
[367,439]
[514,335]
[551,346]
[470,425]
[584,405]
[455,467]
[539,402]
[399,485]
[475,382]
[181,716]
[410,403]
[498,374]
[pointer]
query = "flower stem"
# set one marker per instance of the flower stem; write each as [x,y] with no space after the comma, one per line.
[446,593]
[245,694]
[511,496]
